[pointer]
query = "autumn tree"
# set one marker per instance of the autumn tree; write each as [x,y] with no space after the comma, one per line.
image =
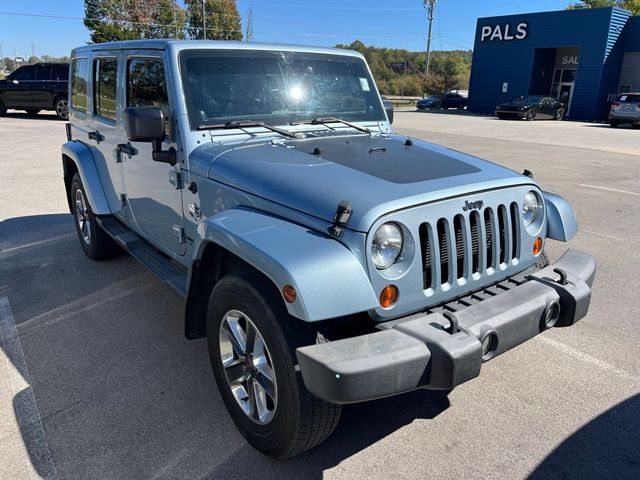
[222,19]
[109,20]
[632,5]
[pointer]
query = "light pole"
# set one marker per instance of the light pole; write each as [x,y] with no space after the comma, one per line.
[430,5]
[204,22]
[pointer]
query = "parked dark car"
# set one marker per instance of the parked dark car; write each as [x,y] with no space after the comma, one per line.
[448,100]
[43,86]
[531,108]
[625,109]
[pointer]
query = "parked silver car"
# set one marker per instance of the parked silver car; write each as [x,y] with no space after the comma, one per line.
[625,109]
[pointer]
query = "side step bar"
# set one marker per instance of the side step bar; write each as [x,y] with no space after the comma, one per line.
[167,271]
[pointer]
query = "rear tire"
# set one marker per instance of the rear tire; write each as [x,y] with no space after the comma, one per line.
[531,115]
[61,106]
[290,420]
[613,123]
[95,242]
[3,109]
[32,112]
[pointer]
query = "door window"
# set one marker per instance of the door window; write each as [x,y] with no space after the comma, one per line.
[79,80]
[60,72]
[43,72]
[104,97]
[146,86]
[24,73]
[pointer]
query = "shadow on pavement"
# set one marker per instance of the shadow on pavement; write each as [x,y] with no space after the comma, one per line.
[606,447]
[41,115]
[120,391]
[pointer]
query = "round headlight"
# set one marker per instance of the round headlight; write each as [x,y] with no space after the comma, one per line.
[386,245]
[531,207]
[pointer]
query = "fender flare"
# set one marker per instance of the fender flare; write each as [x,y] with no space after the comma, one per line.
[329,280]
[81,156]
[561,218]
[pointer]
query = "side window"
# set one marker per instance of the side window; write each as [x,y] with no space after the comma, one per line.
[43,72]
[146,86]
[60,72]
[24,73]
[79,80]
[104,94]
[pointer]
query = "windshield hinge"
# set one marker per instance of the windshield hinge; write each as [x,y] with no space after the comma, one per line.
[175,179]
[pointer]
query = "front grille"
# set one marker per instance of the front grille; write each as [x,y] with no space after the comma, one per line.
[469,244]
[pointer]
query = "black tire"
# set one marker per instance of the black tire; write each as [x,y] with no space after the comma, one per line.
[614,123]
[97,245]
[297,420]
[61,106]
[461,107]
[32,112]
[531,115]
[559,114]
[3,109]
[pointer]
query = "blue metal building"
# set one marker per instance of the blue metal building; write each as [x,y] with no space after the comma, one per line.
[582,57]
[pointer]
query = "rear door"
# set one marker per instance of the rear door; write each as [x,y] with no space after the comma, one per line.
[103,135]
[40,97]
[153,189]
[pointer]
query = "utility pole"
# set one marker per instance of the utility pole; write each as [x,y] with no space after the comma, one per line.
[204,22]
[430,5]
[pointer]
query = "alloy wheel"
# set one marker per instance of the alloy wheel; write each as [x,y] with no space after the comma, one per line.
[82,217]
[248,367]
[62,109]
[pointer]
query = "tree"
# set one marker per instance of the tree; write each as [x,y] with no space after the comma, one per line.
[109,20]
[632,5]
[248,36]
[222,19]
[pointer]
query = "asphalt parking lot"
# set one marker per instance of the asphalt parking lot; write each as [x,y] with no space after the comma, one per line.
[98,381]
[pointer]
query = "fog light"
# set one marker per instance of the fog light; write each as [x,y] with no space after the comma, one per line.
[289,293]
[388,296]
[537,246]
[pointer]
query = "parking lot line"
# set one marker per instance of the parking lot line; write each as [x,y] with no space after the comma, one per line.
[609,189]
[34,449]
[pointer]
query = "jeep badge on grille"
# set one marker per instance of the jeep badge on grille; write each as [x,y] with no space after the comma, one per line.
[472,205]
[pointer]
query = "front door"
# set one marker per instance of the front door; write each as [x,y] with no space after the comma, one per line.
[152,188]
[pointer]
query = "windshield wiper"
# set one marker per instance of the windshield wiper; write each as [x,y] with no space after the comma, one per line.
[325,120]
[245,124]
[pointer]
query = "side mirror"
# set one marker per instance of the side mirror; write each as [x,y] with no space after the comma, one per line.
[146,124]
[388,107]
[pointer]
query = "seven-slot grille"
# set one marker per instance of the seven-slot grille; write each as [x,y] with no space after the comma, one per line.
[469,244]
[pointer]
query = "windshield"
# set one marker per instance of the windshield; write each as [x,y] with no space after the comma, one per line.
[276,88]
[530,100]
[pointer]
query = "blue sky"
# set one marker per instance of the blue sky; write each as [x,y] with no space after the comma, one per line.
[391,23]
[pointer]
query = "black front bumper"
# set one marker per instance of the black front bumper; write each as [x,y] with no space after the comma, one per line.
[441,350]
[511,114]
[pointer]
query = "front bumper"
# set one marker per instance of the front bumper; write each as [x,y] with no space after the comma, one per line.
[511,114]
[442,350]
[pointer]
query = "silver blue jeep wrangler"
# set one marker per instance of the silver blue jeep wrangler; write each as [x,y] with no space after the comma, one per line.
[326,259]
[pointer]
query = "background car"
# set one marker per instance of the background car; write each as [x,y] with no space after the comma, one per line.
[531,108]
[32,88]
[448,100]
[625,109]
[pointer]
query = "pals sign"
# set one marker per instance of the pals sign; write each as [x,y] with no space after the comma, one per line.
[504,32]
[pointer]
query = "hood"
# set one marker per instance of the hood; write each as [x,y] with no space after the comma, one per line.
[376,174]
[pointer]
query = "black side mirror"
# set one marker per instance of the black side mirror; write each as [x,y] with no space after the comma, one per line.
[388,107]
[146,124]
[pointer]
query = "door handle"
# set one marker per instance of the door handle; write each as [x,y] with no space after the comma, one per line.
[97,136]
[127,149]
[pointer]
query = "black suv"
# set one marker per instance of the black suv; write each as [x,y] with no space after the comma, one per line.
[43,86]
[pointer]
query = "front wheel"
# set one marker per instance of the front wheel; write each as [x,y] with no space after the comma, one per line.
[531,115]
[559,114]
[252,341]
[62,108]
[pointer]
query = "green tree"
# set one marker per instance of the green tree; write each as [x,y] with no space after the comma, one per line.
[109,20]
[632,5]
[222,19]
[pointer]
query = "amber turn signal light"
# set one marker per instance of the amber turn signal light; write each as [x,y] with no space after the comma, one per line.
[289,293]
[537,246]
[388,296]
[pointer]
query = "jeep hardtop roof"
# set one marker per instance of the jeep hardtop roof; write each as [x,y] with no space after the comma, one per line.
[163,44]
